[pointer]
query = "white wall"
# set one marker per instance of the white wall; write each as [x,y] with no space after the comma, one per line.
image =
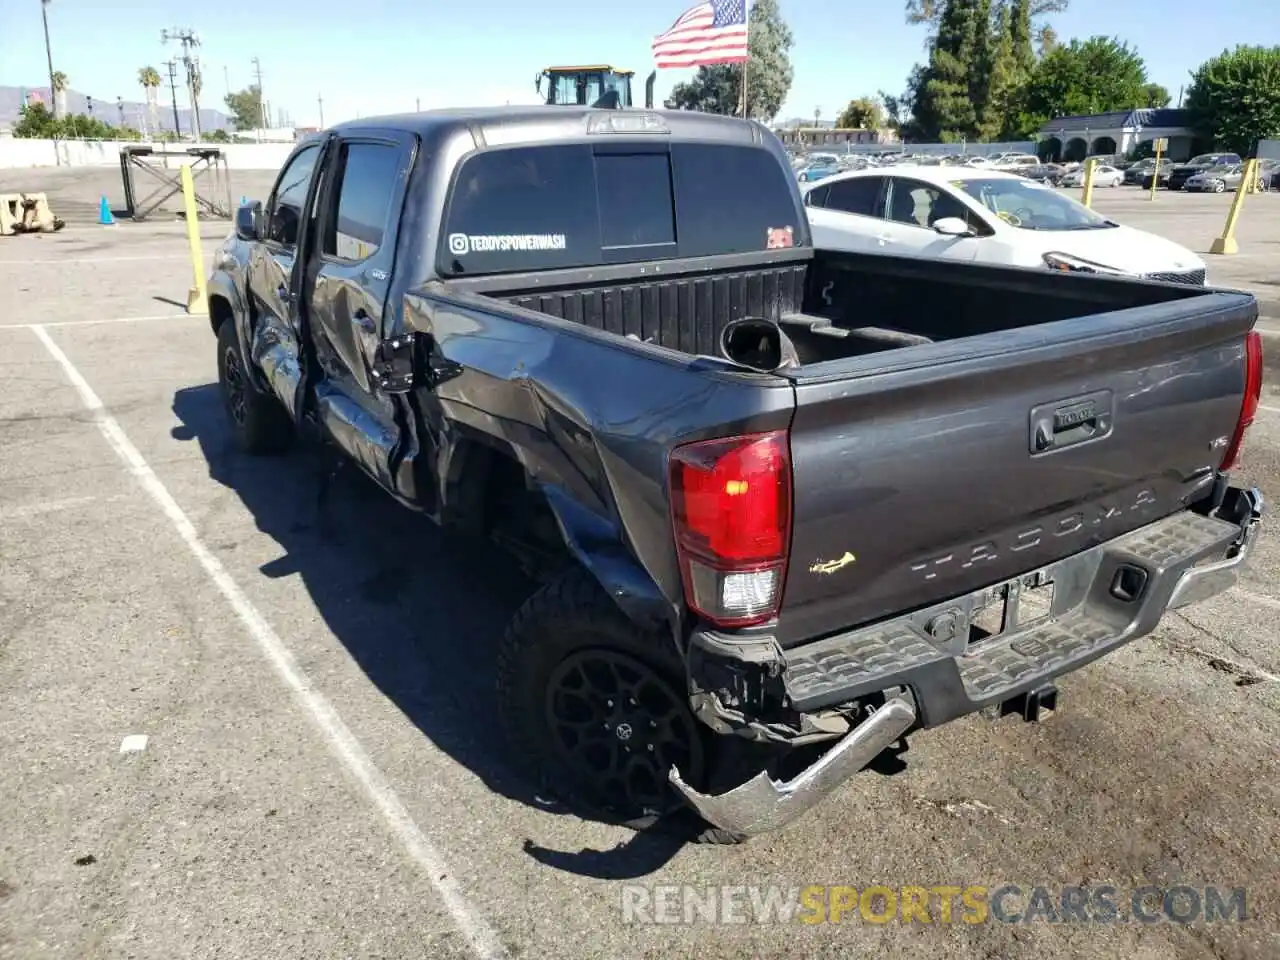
[16,152]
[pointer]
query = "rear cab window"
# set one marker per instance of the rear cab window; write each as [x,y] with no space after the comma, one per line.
[526,208]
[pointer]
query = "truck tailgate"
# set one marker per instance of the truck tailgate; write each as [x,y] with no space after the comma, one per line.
[927,473]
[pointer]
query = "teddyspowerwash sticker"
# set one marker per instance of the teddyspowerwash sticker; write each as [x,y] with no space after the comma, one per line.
[461,244]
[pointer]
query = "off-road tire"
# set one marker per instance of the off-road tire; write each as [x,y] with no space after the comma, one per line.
[258,422]
[570,614]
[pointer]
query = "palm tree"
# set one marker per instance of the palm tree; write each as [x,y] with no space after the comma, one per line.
[59,81]
[149,80]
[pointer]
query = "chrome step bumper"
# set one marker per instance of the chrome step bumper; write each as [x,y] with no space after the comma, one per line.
[929,680]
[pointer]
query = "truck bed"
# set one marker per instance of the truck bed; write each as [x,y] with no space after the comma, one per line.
[954,425]
[831,304]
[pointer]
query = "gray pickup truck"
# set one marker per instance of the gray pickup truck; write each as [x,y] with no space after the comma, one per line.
[790,504]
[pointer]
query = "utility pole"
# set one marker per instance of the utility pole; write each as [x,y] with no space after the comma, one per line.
[48,55]
[417,104]
[263,120]
[120,107]
[188,39]
[226,79]
[173,92]
[320,103]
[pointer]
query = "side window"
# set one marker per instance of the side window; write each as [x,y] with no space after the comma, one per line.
[817,197]
[290,195]
[860,195]
[370,176]
[922,205]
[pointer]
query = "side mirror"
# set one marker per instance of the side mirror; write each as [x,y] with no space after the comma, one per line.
[249,221]
[758,344]
[952,227]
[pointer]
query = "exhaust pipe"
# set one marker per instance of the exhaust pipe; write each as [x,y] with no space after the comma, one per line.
[648,90]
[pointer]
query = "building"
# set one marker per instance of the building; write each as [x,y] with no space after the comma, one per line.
[1121,131]
[832,136]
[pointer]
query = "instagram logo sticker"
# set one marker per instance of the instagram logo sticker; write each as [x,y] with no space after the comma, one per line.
[459,244]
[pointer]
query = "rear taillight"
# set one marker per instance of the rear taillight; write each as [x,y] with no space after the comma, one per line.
[1252,393]
[731,506]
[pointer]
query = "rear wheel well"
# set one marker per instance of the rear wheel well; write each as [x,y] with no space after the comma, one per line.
[219,311]
[491,494]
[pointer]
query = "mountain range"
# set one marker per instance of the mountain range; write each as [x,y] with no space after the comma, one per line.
[107,110]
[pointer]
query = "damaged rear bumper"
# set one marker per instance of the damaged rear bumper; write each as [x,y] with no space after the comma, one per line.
[1103,598]
[763,804]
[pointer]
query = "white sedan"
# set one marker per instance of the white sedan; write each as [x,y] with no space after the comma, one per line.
[1103,176]
[956,213]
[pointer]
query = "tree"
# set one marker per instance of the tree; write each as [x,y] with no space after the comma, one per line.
[1155,96]
[943,105]
[1020,34]
[931,12]
[1047,38]
[246,107]
[36,122]
[1005,79]
[861,114]
[149,80]
[1234,98]
[982,65]
[1090,76]
[718,89]
[59,82]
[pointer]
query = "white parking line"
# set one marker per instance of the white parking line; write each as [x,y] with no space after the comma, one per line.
[481,937]
[129,259]
[95,322]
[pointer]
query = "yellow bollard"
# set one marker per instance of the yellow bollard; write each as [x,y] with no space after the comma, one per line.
[197,296]
[1226,244]
[1155,171]
[1087,197]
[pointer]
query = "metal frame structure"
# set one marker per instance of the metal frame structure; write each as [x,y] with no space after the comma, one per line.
[209,163]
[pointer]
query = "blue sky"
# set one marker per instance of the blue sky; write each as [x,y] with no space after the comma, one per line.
[378,56]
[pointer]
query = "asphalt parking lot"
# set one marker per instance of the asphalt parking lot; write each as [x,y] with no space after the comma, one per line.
[322,776]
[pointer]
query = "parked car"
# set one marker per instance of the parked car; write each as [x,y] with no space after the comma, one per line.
[619,355]
[988,217]
[1183,172]
[1050,173]
[1139,172]
[1217,179]
[1103,176]
[1016,162]
[817,172]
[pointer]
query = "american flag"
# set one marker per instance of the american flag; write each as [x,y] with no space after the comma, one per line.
[710,32]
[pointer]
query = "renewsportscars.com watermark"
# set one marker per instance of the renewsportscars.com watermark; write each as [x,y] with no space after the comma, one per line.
[939,904]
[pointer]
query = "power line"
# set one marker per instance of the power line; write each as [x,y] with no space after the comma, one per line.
[188,39]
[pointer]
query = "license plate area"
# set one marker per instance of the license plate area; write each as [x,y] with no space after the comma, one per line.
[1010,606]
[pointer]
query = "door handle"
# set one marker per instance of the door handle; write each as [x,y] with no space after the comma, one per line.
[364,321]
[282,292]
[885,238]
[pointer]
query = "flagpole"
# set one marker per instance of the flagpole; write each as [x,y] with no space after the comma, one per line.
[747,17]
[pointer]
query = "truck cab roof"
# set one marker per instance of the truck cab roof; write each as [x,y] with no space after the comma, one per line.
[491,126]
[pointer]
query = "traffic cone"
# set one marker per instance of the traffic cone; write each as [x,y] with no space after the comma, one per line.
[104,213]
